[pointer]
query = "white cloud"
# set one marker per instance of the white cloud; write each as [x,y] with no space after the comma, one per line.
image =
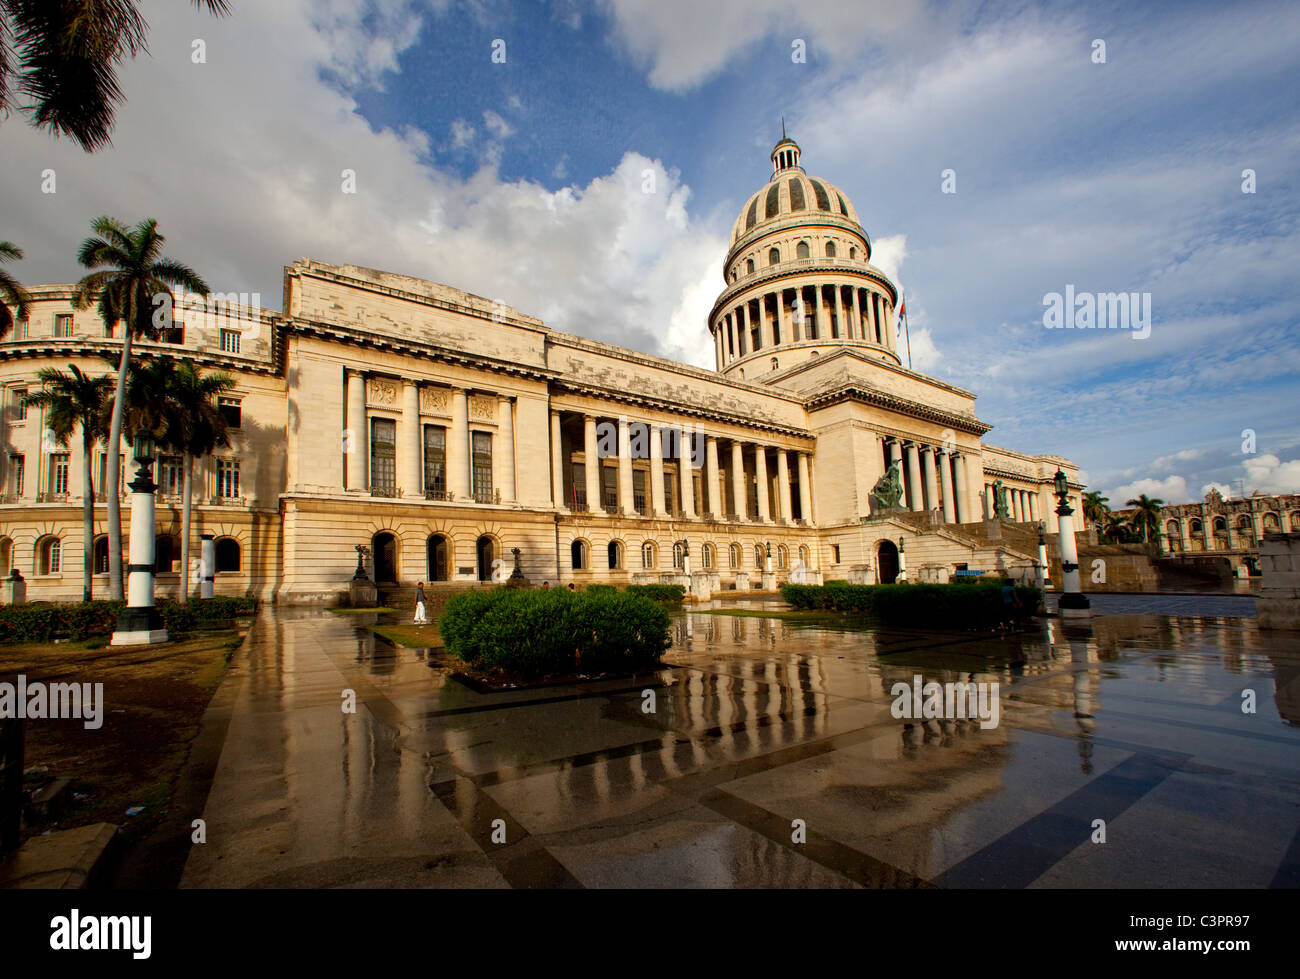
[1269,474]
[1224,490]
[496,125]
[462,133]
[1172,489]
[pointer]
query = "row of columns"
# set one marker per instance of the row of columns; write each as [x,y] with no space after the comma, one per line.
[1023,504]
[802,313]
[712,489]
[933,477]
[1234,535]
[410,443]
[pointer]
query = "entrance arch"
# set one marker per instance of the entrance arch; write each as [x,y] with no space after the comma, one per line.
[384,548]
[485,549]
[887,562]
[439,557]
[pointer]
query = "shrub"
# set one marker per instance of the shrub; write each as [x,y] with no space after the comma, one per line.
[47,621]
[601,589]
[659,593]
[556,631]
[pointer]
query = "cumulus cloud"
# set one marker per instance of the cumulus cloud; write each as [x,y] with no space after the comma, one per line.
[1172,489]
[1269,474]
[1224,490]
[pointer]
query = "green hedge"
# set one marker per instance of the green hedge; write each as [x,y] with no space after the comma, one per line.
[943,606]
[556,631]
[659,593]
[47,621]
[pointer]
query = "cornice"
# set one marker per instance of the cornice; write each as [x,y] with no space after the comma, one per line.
[914,409]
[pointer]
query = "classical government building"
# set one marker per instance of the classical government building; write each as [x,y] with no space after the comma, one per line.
[440,431]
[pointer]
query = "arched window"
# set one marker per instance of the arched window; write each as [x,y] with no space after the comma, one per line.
[801,250]
[782,556]
[733,554]
[6,555]
[853,252]
[742,373]
[1172,529]
[803,555]
[706,557]
[1295,520]
[1220,525]
[578,555]
[775,364]
[679,556]
[1271,522]
[100,555]
[830,249]
[49,556]
[648,555]
[773,256]
[615,554]
[749,266]
[227,555]
[759,554]
[1194,526]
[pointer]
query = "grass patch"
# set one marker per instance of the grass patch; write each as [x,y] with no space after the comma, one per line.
[411,636]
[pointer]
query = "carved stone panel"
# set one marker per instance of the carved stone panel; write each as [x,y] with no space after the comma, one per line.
[435,401]
[381,391]
[483,409]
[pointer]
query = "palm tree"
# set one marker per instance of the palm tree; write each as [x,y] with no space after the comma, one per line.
[1116,529]
[131,272]
[1095,508]
[11,293]
[1146,516]
[64,55]
[196,428]
[71,400]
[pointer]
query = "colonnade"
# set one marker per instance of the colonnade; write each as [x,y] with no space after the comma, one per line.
[1022,503]
[809,312]
[934,477]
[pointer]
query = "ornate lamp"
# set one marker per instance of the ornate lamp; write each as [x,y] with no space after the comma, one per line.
[1073,603]
[139,622]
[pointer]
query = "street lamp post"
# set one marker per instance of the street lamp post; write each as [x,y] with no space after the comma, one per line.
[1041,566]
[767,561]
[902,562]
[139,623]
[686,557]
[1073,602]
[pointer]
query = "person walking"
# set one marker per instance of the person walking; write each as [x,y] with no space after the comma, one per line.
[419,605]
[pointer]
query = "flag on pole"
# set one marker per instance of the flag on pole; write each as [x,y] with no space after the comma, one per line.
[900,323]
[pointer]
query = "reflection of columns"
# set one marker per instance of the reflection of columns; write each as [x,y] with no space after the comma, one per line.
[458,446]
[914,500]
[805,489]
[783,485]
[931,485]
[686,473]
[945,482]
[355,445]
[760,476]
[959,497]
[408,455]
[656,470]
[625,499]
[738,481]
[506,453]
[591,459]
[557,462]
[712,494]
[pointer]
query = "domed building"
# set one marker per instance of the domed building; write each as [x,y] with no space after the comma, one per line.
[452,439]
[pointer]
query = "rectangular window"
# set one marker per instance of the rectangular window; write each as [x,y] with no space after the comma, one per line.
[835,550]
[101,476]
[59,473]
[435,461]
[579,486]
[171,475]
[230,341]
[609,487]
[482,458]
[20,409]
[697,491]
[670,498]
[383,457]
[17,467]
[174,333]
[638,490]
[231,411]
[228,479]
[63,325]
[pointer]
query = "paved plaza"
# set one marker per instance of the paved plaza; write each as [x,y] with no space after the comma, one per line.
[1132,719]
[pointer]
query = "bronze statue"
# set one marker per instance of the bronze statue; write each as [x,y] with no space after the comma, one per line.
[888,490]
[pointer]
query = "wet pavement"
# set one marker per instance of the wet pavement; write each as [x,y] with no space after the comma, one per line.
[1134,720]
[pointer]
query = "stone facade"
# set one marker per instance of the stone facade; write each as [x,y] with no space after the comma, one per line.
[441,430]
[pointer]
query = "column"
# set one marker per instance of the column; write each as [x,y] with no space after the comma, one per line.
[592,463]
[769,337]
[760,475]
[959,497]
[945,482]
[458,446]
[914,500]
[557,462]
[685,474]
[656,471]
[841,325]
[886,326]
[506,451]
[1033,506]
[931,484]
[787,329]
[712,494]
[783,485]
[409,447]
[805,489]
[855,321]
[625,498]
[738,480]
[742,333]
[357,446]
[870,313]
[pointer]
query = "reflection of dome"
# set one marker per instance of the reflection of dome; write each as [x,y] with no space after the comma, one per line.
[799,282]
[791,193]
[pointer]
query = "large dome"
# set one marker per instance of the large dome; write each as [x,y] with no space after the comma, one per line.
[791,193]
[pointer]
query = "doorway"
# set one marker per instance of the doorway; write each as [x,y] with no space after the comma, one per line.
[887,562]
[384,547]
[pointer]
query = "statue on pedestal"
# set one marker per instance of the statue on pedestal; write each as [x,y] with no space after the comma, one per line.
[888,491]
[1001,507]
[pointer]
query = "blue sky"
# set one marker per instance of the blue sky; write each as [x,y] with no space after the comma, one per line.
[522,182]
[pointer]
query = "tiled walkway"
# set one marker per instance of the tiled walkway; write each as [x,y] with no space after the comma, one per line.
[1134,720]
